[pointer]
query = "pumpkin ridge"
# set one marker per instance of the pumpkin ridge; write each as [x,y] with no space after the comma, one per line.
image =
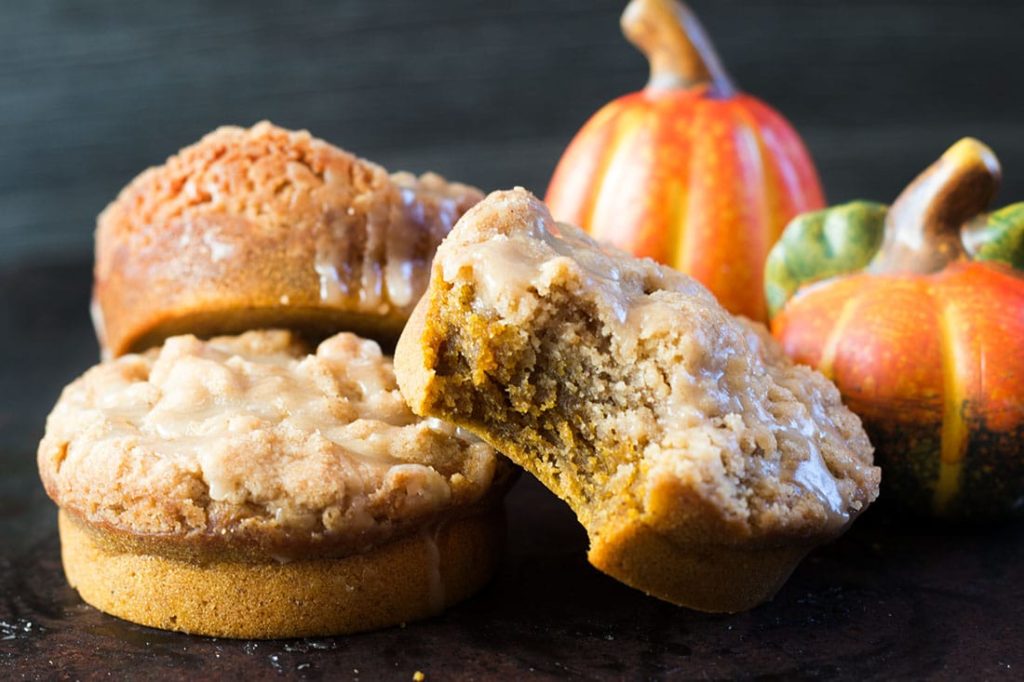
[771,211]
[954,433]
[611,143]
[769,188]
[803,188]
[715,248]
[681,208]
[671,173]
[627,193]
[679,203]
[685,254]
[826,365]
[750,244]
[781,183]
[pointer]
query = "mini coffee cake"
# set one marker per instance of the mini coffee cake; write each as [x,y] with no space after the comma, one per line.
[702,462]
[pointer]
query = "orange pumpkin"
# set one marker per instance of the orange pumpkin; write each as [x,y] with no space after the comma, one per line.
[924,336]
[687,171]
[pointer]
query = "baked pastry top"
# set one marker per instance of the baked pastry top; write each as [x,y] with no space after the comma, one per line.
[666,423]
[266,227]
[248,443]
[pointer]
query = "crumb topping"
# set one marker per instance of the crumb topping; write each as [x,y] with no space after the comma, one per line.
[251,433]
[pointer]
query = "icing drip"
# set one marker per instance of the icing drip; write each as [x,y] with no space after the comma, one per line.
[395,236]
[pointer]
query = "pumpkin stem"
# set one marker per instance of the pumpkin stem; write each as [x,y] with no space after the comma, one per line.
[676,45]
[922,230]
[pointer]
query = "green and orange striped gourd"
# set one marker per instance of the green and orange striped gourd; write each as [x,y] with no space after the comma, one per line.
[916,311]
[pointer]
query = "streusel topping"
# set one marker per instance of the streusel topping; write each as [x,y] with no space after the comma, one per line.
[252,434]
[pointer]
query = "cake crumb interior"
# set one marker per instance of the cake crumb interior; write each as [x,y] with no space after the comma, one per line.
[628,390]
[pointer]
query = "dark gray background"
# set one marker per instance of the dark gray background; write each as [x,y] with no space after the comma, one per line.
[487,92]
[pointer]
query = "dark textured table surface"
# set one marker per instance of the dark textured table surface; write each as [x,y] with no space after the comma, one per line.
[889,600]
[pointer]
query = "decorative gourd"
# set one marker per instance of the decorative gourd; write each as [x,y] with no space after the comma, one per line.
[687,171]
[921,325]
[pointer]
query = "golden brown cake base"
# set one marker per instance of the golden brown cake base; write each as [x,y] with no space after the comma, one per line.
[712,578]
[404,580]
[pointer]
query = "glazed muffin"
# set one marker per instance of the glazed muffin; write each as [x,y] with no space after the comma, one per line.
[702,462]
[243,487]
[264,227]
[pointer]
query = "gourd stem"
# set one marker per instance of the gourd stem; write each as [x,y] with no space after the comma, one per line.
[676,45]
[922,229]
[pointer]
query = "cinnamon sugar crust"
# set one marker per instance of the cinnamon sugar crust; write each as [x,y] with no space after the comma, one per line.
[703,463]
[265,227]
